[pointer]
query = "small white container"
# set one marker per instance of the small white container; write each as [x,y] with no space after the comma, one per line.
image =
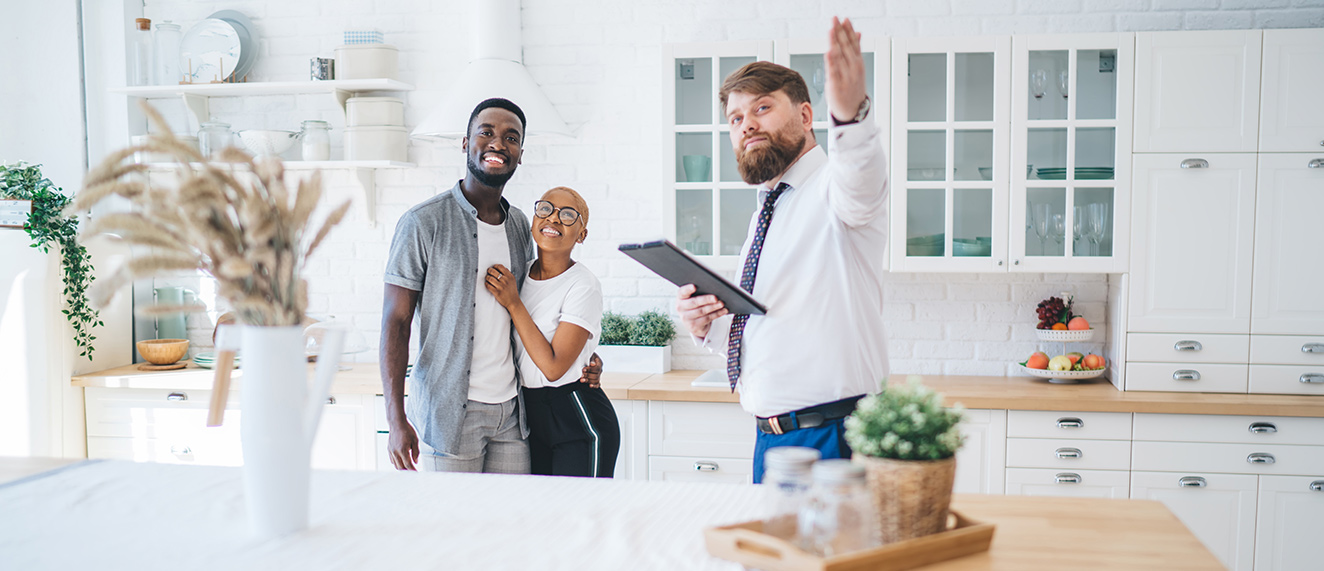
[367,61]
[374,112]
[376,144]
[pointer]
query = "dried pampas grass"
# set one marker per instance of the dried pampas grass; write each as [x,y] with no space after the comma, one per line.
[234,218]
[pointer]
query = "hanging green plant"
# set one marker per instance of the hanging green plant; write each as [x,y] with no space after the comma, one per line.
[47,225]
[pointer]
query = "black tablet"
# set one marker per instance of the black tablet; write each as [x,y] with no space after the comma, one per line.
[680,268]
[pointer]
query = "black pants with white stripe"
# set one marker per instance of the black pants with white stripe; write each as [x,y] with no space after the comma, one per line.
[573,431]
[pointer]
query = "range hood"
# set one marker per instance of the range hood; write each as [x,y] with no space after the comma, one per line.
[495,71]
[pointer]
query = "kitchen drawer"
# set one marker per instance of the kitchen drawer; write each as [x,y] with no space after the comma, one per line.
[1113,484]
[1219,509]
[1060,454]
[1204,378]
[1227,458]
[1287,379]
[1287,350]
[700,469]
[150,413]
[1187,348]
[722,430]
[1229,429]
[1074,425]
[211,450]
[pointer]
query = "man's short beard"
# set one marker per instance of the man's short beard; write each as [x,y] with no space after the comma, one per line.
[760,165]
[492,180]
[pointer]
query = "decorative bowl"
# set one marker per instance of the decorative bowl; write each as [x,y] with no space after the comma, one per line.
[263,142]
[1062,376]
[163,351]
[1068,336]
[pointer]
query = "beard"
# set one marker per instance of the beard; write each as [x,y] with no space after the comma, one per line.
[762,164]
[492,180]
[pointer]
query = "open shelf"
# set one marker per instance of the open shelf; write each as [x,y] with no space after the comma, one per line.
[264,88]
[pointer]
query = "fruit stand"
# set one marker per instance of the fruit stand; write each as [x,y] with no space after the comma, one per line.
[1057,324]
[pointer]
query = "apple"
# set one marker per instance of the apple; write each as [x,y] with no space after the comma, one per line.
[1093,362]
[1060,363]
[1078,324]
[1075,357]
[1039,360]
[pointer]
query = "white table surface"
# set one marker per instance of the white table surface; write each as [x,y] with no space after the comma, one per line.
[125,515]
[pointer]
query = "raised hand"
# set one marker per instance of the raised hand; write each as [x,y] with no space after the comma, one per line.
[846,88]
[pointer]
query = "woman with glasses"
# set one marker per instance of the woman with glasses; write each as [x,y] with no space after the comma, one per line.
[573,429]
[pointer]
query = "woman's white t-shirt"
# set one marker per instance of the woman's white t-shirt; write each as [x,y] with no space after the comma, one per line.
[575,297]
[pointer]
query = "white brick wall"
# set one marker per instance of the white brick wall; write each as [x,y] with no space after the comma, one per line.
[598,61]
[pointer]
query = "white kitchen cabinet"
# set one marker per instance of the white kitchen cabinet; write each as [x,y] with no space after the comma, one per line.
[1193,219]
[700,469]
[700,429]
[1218,508]
[1067,483]
[1197,91]
[1288,282]
[1291,118]
[632,462]
[1290,514]
[345,440]
[980,463]
[1068,453]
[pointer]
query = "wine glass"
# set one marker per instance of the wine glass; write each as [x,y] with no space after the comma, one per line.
[1096,223]
[1039,220]
[1058,227]
[1077,229]
[1063,81]
[819,81]
[1038,83]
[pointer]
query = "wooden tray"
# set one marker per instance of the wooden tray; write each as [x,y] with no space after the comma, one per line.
[745,543]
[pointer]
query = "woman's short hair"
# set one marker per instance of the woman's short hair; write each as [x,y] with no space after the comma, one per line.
[582,207]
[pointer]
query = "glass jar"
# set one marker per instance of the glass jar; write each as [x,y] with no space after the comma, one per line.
[316,138]
[787,479]
[168,39]
[140,52]
[213,137]
[838,516]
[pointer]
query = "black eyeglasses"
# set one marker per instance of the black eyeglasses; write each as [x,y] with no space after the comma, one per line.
[567,215]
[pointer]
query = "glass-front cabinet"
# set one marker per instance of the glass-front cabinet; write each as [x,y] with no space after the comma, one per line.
[950,154]
[1070,152]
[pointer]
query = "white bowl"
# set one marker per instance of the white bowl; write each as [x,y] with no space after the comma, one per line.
[263,143]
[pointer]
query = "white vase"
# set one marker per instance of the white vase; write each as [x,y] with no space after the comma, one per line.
[634,358]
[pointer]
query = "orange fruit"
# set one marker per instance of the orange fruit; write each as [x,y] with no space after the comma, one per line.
[1078,324]
[1059,327]
[1039,360]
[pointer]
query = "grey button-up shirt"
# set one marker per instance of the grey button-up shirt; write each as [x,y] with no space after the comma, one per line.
[435,252]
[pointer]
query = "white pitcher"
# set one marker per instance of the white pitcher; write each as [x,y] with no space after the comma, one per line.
[280,417]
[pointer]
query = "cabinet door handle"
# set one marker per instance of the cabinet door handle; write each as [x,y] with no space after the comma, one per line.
[180,450]
[1068,453]
[1067,478]
[1260,458]
[1317,486]
[1188,346]
[999,262]
[1192,482]
[1315,164]
[1262,428]
[177,397]
[1070,422]
[1312,348]
[1186,375]
[331,400]
[1195,164]
[1312,378]
[705,466]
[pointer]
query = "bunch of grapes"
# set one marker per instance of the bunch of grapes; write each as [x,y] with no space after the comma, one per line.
[1050,311]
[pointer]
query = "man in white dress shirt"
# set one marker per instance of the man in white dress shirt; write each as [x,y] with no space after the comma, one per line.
[813,256]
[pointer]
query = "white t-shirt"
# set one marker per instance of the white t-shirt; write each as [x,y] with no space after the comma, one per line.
[575,297]
[492,374]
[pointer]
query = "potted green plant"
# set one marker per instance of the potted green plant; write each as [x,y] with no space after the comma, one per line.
[907,442]
[640,344]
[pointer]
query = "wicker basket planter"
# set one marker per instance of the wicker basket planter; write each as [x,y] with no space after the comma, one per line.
[911,496]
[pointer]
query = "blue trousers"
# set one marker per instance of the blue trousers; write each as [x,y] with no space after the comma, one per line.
[830,439]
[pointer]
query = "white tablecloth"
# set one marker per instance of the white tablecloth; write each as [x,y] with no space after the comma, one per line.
[123,515]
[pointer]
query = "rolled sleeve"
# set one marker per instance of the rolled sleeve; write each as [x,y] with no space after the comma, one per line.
[406,265]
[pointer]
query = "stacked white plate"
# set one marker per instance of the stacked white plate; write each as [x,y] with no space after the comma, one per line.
[222,47]
[207,360]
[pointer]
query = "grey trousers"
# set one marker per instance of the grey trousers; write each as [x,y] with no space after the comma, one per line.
[490,441]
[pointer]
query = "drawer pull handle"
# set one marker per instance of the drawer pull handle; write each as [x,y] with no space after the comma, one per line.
[331,400]
[180,450]
[1312,378]
[1186,375]
[1195,164]
[1068,453]
[1317,486]
[705,466]
[1260,458]
[1315,164]
[1192,482]
[1070,422]
[1262,428]
[177,397]
[1067,478]
[1188,346]
[1312,348]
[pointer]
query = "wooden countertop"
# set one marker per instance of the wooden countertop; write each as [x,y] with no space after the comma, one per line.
[998,393]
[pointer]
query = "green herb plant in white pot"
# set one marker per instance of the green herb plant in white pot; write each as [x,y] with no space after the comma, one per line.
[907,442]
[639,344]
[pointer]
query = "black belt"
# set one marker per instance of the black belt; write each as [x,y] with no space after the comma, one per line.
[808,417]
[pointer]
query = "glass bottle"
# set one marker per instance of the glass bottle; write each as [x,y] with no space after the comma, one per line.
[316,139]
[787,479]
[168,39]
[213,137]
[838,516]
[140,52]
